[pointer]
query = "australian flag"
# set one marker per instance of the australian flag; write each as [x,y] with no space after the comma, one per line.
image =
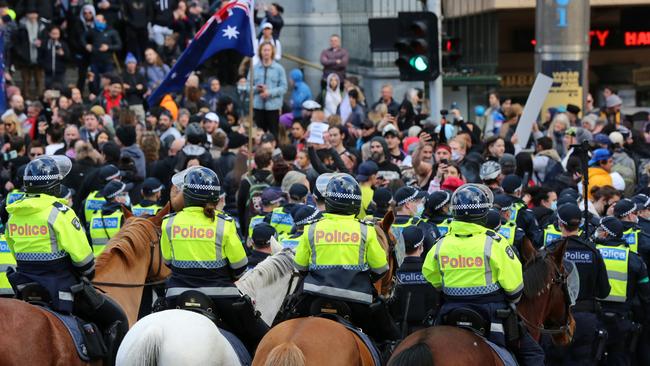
[229,28]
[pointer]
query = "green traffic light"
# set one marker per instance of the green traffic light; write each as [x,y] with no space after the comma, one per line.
[420,63]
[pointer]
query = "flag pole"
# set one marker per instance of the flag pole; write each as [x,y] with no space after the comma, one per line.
[250,116]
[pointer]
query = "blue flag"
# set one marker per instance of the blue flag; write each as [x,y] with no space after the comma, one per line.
[3,94]
[228,28]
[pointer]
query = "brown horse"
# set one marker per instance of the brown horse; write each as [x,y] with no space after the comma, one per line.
[316,341]
[33,336]
[543,309]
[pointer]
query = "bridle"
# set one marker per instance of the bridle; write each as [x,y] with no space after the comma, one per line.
[152,246]
[559,278]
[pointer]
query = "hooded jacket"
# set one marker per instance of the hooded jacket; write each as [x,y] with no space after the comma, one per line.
[134,152]
[598,177]
[300,93]
[387,169]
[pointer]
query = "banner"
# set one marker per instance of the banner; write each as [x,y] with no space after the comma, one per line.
[567,83]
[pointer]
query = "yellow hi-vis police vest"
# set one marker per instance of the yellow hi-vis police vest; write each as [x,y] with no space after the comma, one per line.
[366,197]
[616,260]
[93,203]
[631,237]
[551,234]
[508,231]
[337,251]
[190,240]
[103,228]
[41,228]
[281,221]
[6,260]
[290,241]
[473,261]
[255,220]
[443,227]
[139,210]
[14,196]
[514,211]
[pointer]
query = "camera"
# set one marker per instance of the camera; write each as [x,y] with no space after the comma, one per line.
[444,112]
[444,161]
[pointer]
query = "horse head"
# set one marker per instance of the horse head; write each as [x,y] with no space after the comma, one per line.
[546,294]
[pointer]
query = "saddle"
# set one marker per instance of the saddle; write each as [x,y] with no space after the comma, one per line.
[322,306]
[91,343]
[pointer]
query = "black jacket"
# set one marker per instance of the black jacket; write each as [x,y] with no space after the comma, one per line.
[163,12]
[411,288]
[132,94]
[109,37]
[528,223]
[137,13]
[644,240]
[244,190]
[543,215]
[255,258]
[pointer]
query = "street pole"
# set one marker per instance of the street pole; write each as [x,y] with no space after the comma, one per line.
[435,87]
[250,116]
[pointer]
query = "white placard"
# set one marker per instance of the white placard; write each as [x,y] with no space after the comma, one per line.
[316,132]
[532,108]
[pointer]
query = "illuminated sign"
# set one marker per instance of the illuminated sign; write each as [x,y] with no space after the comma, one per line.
[636,39]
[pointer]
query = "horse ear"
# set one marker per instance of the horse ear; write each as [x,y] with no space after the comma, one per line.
[528,251]
[127,213]
[387,221]
[157,220]
[558,253]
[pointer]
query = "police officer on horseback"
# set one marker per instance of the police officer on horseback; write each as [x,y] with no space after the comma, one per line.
[477,271]
[201,246]
[52,251]
[341,257]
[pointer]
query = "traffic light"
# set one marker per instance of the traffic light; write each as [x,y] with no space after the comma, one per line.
[450,52]
[417,46]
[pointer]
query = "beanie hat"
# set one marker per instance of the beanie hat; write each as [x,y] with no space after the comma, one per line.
[126,134]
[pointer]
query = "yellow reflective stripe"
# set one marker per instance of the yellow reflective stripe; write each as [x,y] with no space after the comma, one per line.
[617,268]
[218,239]
[487,252]
[362,245]
[312,245]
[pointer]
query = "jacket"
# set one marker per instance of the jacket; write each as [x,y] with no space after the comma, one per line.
[300,93]
[137,13]
[132,94]
[52,62]
[275,79]
[328,59]
[598,177]
[109,37]
[24,48]
[135,152]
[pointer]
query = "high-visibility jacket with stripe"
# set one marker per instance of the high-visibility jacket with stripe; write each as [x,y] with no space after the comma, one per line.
[93,203]
[472,261]
[140,210]
[6,260]
[338,252]
[281,220]
[14,196]
[103,227]
[616,261]
[631,237]
[204,254]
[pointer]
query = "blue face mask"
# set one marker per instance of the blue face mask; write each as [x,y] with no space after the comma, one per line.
[419,210]
[100,26]
[554,206]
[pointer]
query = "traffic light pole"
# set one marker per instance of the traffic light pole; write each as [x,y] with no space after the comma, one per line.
[435,87]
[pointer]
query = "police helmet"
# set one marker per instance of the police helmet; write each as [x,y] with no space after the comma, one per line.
[471,202]
[343,195]
[201,186]
[44,174]
[321,184]
[490,170]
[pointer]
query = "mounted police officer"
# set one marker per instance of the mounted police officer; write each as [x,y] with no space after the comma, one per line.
[638,241]
[261,238]
[151,191]
[521,215]
[107,221]
[413,297]
[51,249]
[628,278]
[593,285]
[409,204]
[436,211]
[303,215]
[341,257]
[201,247]
[476,269]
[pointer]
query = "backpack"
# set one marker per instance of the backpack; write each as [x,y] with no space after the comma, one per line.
[553,170]
[254,200]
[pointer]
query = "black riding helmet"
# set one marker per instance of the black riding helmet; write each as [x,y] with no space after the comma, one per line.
[343,195]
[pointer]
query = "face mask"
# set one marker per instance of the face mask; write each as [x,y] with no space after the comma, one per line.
[100,26]
[242,88]
[127,199]
[419,209]
[554,206]
[456,156]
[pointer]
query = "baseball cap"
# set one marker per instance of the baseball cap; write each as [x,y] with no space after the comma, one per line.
[109,172]
[151,185]
[407,194]
[511,183]
[267,25]
[390,128]
[298,191]
[642,201]
[437,200]
[599,155]
[611,225]
[310,105]
[603,139]
[366,169]
[271,195]
[502,202]
[382,197]
[569,214]
[212,117]
[262,234]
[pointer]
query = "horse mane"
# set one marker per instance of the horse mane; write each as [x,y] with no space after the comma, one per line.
[267,272]
[536,273]
[128,242]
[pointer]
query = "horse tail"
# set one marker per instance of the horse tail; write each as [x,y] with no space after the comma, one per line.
[418,354]
[143,350]
[285,354]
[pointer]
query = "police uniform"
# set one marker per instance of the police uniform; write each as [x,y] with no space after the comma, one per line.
[146,208]
[94,200]
[15,195]
[340,254]
[281,219]
[6,260]
[366,170]
[206,255]
[430,231]
[302,215]
[413,297]
[433,213]
[261,238]
[593,285]
[106,222]
[475,268]
[525,220]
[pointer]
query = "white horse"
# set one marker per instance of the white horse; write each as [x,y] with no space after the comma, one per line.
[179,337]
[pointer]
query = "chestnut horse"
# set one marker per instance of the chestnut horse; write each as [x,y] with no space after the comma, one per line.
[33,336]
[543,308]
[318,341]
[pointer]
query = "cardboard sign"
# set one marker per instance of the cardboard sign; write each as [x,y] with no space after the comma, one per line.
[316,132]
[533,106]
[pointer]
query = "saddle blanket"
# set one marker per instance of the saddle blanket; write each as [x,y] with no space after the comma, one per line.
[71,323]
[376,357]
[241,351]
[504,354]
